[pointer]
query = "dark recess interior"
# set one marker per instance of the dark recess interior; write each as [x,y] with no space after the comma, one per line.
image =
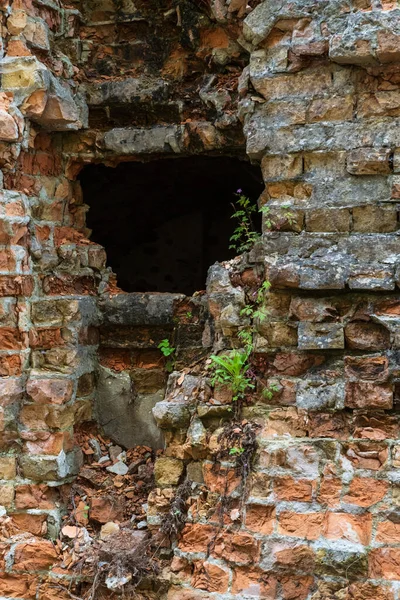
[164,222]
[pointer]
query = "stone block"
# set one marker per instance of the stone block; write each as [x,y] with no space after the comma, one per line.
[321,336]
[282,167]
[153,140]
[11,391]
[127,91]
[300,84]
[8,127]
[312,395]
[276,334]
[6,495]
[369,161]
[328,220]
[348,50]
[373,368]
[344,562]
[375,279]
[337,108]
[36,34]
[168,471]
[39,468]
[171,415]
[8,467]
[16,22]
[388,48]
[374,219]
[24,75]
[362,335]
[133,422]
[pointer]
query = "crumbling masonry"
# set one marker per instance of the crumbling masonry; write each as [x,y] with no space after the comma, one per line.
[308,89]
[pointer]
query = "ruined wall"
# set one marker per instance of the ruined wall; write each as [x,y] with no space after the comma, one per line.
[312,89]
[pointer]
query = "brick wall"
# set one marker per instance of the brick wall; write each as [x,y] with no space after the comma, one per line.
[313,90]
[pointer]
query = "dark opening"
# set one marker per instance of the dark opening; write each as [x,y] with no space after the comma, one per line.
[164,222]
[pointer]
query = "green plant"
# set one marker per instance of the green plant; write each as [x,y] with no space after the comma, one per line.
[189,315]
[269,223]
[268,392]
[231,370]
[235,451]
[169,352]
[244,236]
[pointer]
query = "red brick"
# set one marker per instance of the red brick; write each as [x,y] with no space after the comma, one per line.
[12,339]
[35,555]
[7,260]
[328,425]
[296,588]
[260,518]
[40,163]
[46,337]
[69,285]
[384,563]
[366,336]
[308,526]
[388,532]
[18,586]
[294,364]
[69,235]
[300,557]
[35,524]
[329,491]
[354,528]
[364,394]
[366,455]
[105,508]
[374,368]
[379,426]
[196,537]
[35,496]
[251,582]
[237,548]
[210,577]
[46,391]
[44,442]
[220,479]
[365,491]
[117,359]
[296,490]
[16,285]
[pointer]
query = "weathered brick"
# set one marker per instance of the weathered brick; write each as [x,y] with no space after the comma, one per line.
[260,518]
[354,528]
[364,394]
[365,491]
[45,391]
[368,161]
[308,526]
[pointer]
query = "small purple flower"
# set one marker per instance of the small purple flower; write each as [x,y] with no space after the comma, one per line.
[239,191]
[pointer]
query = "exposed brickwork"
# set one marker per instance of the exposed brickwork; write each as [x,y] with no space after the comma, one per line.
[312,90]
